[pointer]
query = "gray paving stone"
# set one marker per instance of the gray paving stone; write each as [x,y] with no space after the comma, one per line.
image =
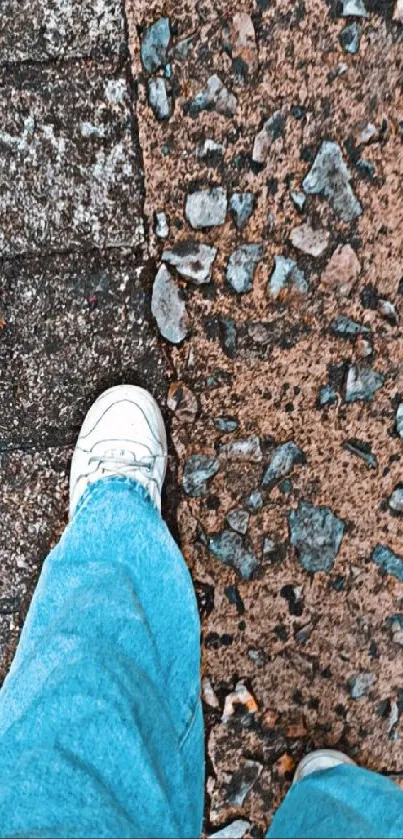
[69,162]
[38,31]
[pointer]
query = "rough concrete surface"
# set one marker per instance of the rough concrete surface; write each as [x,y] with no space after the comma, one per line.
[284,394]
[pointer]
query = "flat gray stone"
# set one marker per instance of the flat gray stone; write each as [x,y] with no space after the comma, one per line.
[242,782]
[354,8]
[345,327]
[192,260]
[330,177]
[310,241]
[282,462]
[161,225]
[242,205]
[242,265]
[327,396]
[206,207]
[238,520]
[272,129]
[235,830]
[230,548]
[350,38]
[396,500]
[362,383]
[360,684]
[197,471]
[160,98]
[168,307]
[68,149]
[286,274]
[316,533]
[399,420]
[388,561]
[361,449]
[214,97]
[245,450]
[38,31]
[154,45]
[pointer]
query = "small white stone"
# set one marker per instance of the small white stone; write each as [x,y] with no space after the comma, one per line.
[161,225]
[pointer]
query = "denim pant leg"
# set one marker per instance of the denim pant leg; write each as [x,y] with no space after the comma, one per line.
[341,803]
[101,731]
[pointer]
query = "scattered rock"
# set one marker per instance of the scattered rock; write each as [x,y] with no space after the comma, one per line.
[206,208]
[396,626]
[344,327]
[299,199]
[154,45]
[241,267]
[360,684]
[244,49]
[316,534]
[388,561]
[183,48]
[286,274]
[161,225]
[214,97]
[242,782]
[242,205]
[354,8]
[350,38]
[198,470]
[282,462]
[362,383]
[388,311]
[398,13]
[238,520]
[208,694]
[235,830]
[367,133]
[226,424]
[363,348]
[399,420]
[241,696]
[247,450]
[363,450]
[330,177]
[254,501]
[192,260]
[160,98]
[209,150]
[230,548]
[168,307]
[182,401]
[307,240]
[396,500]
[342,270]
[327,396]
[272,130]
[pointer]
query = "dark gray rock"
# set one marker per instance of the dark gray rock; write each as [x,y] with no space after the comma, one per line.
[246,450]
[286,274]
[362,383]
[242,205]
[350,38]
[316,533]
[192,260]
[198,470]
[388,561]
[214,97]
[154,45]
[282,462]
[242,782]
[399,420]
[354,8]
[206,207]
[360,684]
[160,98]
[330,177]
[327,396]
[168,307]
[396,500]
[363,450]
[238,520]
[345,327]
[226,424]
[241,267]
[230,548]
[254,501]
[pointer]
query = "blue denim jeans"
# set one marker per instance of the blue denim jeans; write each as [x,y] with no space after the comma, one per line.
[101,731]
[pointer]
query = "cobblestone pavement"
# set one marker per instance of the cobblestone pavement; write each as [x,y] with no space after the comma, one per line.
[252,276]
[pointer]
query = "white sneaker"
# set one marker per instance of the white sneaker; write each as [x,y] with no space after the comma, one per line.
[122,434]
[318,761]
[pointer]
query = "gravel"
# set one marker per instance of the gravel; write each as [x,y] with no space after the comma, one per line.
[241,267]
[396,500]
[154,45]
[230,548]
[272,129]
[282,462]
[192,260]
[354,8]
[214,97]
[399,420]
[327,396]
[330,177]
[388,561]
[226,424]
[159,98]
[254,501]
[350,38]
[307,240]
[362,383]
[345,327]
[161,225]
[238,520]
[362,450]
[360,684]
[316,533]
[198,470]
[206,207]
[246,450]
[168,307]
[286,274]
[242,782]
[244,47]
[234,830]
[242,205]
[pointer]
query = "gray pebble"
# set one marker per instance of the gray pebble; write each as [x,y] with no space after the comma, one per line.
[299,199]
[238,520]
[168,307]
[254,501]
[206,208]
[344,327]
[363,450]
[183,48]
[286,274]
[316,533]
[160,100]
[192,260]
[226,424]
[350,38]
[209,149]
[161,225]
[360,684]
[310,241]
[246,450]
[230,548]
[198,470]
[241,267]
[326,396]
[390,562]
[214,96]
[354,8]
[362,383]
[399,420]
[388,311]
[242,205]
[330,177]
[235,830]
[396,500]
[282,462]
[154,45]
[242,782]
[272,129]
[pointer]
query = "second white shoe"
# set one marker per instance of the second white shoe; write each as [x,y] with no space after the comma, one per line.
[122,434]
[319,760]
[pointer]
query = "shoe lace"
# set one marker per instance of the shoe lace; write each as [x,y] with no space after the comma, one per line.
[125,461]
